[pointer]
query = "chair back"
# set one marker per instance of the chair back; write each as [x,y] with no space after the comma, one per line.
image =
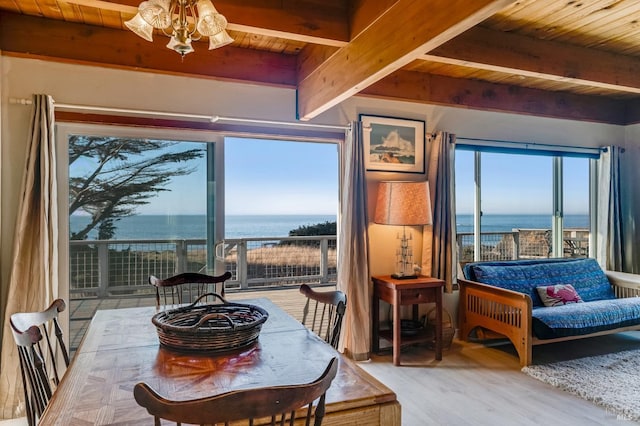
[40,358]
[279,403]
[323,313]
[187,287]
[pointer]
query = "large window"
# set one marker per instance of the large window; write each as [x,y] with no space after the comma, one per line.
[281,204]
[138,205]
[512,204]
[147,202]
[142,205]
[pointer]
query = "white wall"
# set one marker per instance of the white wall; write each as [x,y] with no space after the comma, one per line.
[86,85]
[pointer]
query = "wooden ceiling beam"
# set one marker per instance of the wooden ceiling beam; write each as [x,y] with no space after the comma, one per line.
[383,48]
[363,13]
[289,19]
[515,54]
[311,57]
[79,43]
[425,88]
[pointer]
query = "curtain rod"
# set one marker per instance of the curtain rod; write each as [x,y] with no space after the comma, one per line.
[195,117]
[532,145]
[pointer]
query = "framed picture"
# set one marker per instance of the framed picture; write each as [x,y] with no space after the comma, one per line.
[393,144]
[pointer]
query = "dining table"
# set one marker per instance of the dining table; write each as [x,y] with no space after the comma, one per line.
[121,348]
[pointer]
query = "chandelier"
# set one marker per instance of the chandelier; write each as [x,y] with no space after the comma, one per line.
[182,20]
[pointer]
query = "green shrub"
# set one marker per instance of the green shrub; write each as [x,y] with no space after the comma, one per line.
[327,228]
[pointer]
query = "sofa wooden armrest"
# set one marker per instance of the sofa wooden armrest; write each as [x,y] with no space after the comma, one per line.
[499,310]
[624,284]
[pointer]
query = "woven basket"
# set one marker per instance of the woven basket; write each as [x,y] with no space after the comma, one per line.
[211,328]
[447,326]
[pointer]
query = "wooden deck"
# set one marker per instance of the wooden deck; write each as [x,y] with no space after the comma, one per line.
[82,310]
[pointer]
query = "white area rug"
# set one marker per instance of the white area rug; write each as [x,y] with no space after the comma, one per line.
[611,381]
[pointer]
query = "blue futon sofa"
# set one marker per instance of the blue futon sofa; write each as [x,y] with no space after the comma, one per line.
[547,300]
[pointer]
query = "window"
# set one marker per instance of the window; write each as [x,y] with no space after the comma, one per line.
[274,188]
[514,204]
[138,202]
[154,202]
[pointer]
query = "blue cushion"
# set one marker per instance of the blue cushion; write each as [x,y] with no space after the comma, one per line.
[514,277]
[469,268]
[585,275]
[576,319]
[523,276]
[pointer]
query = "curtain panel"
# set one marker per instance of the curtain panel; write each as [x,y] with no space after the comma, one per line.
[610,249]
[353,255]
[439,252]
[33,282]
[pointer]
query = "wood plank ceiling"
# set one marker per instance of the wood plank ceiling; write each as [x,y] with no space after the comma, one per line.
[572,59]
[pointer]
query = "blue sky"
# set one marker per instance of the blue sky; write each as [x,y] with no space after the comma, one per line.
[276,177]
[513,184]
[284,177]
[261,177]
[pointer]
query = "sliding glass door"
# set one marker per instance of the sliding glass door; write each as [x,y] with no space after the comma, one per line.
[140,202]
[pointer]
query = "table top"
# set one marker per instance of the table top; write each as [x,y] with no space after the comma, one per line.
[421,281]
[121,348]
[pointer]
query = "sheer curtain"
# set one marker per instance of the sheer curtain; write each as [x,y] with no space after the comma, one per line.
[33,280]
[353,255]
[610,250]
[439,254]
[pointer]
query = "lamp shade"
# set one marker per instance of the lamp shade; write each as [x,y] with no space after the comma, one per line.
[403,203]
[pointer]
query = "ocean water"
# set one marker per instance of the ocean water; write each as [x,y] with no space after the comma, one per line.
[195,226]
[247,226]
[507,222]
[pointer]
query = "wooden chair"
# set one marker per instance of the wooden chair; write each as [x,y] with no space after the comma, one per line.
[40,362]
[323,313]
[186,287]
[279,403]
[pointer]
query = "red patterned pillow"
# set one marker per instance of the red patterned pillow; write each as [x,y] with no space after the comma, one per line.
[559,294]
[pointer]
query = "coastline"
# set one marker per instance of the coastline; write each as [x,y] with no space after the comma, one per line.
[247,226]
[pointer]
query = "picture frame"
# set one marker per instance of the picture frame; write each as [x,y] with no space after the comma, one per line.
[393,144]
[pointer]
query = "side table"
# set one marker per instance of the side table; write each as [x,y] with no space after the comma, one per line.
[411,291]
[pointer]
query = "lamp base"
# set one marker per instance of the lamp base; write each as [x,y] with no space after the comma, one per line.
[403,277]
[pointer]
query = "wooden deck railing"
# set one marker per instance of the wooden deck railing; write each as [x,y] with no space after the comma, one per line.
[521,244]
[106,268]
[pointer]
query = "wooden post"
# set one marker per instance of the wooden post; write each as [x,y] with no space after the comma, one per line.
[103,268]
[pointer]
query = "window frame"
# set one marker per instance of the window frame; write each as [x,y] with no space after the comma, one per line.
[556,154]
[66,129]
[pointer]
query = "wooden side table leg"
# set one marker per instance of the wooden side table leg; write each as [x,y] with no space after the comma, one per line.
[416,312]
[396,330]
[375,327]
[438,324]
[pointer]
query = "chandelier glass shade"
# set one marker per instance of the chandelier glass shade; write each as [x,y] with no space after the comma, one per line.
[183,21]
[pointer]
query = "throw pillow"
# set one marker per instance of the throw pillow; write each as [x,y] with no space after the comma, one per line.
[559,294]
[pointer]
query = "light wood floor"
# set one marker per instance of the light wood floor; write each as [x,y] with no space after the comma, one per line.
[477,385]
[474,384]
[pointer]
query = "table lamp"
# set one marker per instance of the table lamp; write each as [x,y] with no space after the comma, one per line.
[405,204]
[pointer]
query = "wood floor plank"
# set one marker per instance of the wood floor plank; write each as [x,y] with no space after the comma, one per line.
[475,384]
